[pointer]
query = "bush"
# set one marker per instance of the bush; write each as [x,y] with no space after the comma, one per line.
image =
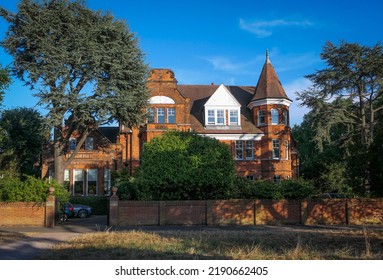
[28,189]
[183,166]
[287,189]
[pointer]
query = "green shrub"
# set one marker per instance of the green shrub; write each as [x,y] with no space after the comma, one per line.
[184,166]
[286,189]
[28,189]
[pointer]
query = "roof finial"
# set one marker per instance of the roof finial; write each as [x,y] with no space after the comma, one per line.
[267,56]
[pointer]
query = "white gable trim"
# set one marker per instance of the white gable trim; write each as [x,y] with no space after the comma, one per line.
[270,101]
[222,97]
[161,100]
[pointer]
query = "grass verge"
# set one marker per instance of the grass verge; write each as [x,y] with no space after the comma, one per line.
[255,244]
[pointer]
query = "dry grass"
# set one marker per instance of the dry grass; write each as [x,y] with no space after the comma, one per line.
[265,243]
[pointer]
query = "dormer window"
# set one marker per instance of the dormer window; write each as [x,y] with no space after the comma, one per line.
[222,110]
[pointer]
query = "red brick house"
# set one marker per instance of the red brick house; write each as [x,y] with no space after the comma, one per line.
[252,120]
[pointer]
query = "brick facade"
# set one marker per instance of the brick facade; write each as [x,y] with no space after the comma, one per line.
[252,121]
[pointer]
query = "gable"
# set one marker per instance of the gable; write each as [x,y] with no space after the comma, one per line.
[222,97]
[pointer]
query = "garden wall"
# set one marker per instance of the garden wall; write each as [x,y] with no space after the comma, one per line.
[246,212]
[41,214]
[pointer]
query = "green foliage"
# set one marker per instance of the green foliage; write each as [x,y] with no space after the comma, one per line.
[99,203]
[28,189]
[5,80]
[346,102]
[183,165]
[286,189]
[23,137]
[87,66]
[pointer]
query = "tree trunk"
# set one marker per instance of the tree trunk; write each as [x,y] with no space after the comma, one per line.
[58,157]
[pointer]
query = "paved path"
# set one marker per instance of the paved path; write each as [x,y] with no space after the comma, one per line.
[34,240]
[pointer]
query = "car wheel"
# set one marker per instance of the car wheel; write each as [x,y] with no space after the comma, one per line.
[83,213]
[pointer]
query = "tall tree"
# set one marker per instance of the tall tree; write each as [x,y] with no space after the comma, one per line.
[347,95]
[5,80]
[354,76]
[24,135]
[86,66]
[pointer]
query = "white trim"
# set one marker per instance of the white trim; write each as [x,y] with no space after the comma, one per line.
[237,136]
[270,101]
[161,100]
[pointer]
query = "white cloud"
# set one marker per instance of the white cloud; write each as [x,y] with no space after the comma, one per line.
[225,64]
[264,28]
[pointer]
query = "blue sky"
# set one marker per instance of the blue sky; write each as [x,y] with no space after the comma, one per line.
[225,41]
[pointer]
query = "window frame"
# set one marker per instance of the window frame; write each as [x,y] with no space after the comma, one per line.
[236,117]
[171,118]
[72,144]
[162,116]
[239,149]
[261,116]
[88,172]
[89,143]
[242,147]
[274,116]
[80,181]
[276,146]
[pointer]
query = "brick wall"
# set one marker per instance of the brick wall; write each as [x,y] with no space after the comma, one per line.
[22,214]
[41,214]
[246,212]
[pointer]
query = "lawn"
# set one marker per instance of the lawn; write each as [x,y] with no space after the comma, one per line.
[265,243]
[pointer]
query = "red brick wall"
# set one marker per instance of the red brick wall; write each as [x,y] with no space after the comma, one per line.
[365,211]
[249,212]
[22,214]
[278,212]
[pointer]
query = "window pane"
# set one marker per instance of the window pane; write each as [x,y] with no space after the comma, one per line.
[249,150]
[78,182]
[276,149]
[151,115]
[161,115]
[92,181]
[171,115]
[233,117]
[210,117]
[67,180]
[107,182]
[239,149]
[220,117]
[274,116]
[261,117]
[72,144]
[285,117]
[89,143]
[78,175]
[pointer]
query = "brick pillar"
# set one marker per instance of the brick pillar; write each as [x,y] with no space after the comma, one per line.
[50,209]
[113,208]
[304,212]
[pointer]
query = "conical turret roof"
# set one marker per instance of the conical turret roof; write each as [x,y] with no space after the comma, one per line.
[269,85]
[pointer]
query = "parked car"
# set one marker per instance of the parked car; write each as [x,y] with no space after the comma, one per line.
[77,210]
